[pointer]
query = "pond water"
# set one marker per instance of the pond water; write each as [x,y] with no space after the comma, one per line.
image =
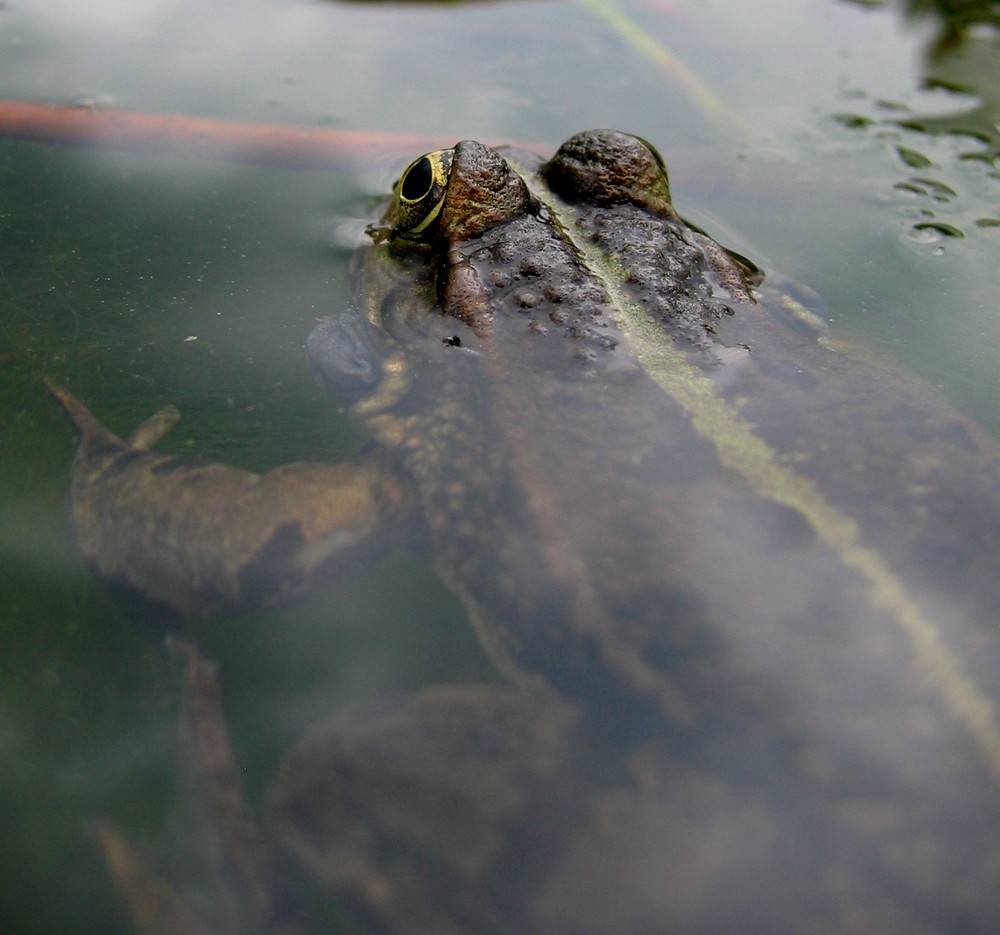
[847,146]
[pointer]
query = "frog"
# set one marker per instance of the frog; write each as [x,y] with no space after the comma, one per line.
[738,584]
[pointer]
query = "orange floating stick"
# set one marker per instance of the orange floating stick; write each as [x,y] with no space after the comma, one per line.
[204,137]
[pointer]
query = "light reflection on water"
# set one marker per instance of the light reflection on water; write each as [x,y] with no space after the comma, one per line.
[111,263]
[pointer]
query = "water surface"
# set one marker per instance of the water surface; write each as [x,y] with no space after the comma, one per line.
[844,145]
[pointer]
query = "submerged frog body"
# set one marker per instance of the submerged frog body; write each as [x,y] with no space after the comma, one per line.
[741,588]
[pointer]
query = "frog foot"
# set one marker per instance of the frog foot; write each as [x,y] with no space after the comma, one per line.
[234,867]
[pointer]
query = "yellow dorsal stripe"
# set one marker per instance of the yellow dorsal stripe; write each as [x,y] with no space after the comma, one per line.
[741,450]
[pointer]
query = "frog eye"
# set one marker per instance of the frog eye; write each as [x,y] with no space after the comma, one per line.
[605,167]
[420,193]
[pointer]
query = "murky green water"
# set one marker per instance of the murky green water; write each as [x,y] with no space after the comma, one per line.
[823,139]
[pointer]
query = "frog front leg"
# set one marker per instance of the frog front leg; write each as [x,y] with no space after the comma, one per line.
[203,537]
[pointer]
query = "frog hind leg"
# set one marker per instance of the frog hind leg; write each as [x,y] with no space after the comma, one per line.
[238,887]
[201,537]
[155,907]
[433,814]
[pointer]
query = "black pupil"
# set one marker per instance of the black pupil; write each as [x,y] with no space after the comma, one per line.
[417,181]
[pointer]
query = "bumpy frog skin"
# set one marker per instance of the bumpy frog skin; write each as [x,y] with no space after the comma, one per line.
[740,587]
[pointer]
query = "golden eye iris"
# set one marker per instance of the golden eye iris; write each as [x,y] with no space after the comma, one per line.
[420,193]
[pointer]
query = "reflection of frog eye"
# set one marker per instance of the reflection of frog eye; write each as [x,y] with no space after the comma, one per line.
[420,192]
